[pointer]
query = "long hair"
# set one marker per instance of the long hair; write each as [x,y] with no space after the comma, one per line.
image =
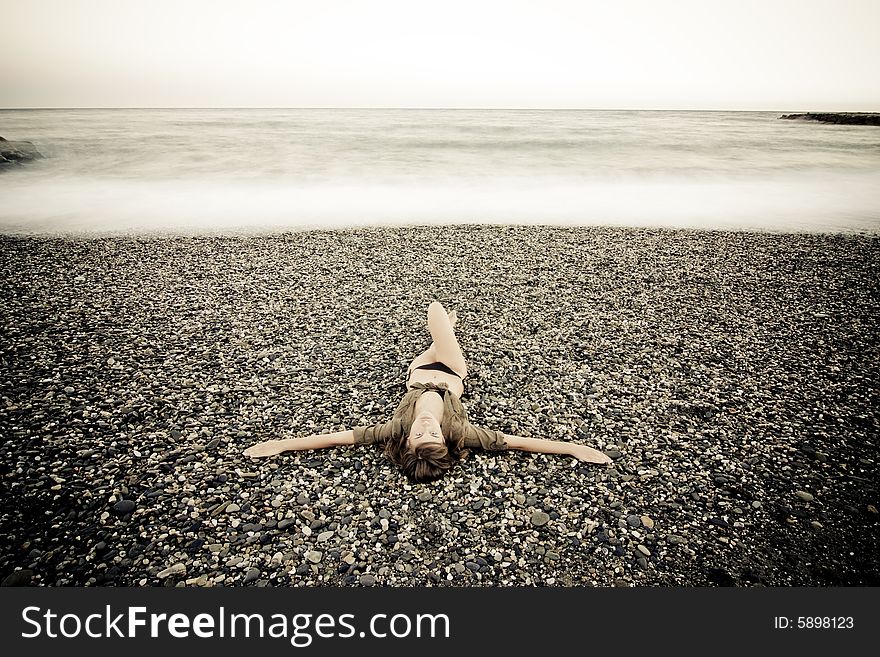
[431,461]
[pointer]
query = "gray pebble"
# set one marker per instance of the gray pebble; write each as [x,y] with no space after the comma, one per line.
[539,519]
[173,570]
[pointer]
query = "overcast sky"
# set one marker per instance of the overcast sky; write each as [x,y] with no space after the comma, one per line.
[636,54]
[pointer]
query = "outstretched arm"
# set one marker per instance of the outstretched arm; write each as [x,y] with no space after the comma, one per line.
[544,446]
[317,441]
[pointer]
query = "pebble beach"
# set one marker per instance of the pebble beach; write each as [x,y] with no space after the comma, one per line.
[733,378]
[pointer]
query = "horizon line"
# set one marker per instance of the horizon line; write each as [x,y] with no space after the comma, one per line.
[421,108]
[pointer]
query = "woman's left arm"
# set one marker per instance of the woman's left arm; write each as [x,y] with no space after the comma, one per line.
[544,446]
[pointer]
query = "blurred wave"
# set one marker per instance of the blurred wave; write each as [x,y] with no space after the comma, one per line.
[254,170]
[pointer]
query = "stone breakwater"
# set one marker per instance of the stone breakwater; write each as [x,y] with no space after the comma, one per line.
[16,152]
[842,118]
[732,377]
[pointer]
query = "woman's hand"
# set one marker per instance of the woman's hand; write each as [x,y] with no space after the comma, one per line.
[267,448]
[590,455]
[544,446]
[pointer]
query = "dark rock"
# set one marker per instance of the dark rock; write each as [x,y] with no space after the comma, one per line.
[842,118]
[720,577]
[124,506]
[18,578]
[108,555]
[15,152]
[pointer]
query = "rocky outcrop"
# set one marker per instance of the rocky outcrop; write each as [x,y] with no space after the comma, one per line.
[16,152]
[845,118]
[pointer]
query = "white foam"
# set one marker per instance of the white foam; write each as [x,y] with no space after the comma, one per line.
[814,203]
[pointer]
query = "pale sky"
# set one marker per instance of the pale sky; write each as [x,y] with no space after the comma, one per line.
[610,54]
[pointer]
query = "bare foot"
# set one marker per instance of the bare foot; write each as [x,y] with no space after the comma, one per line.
[453,317]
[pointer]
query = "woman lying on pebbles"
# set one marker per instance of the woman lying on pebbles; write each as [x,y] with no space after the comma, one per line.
[429,432]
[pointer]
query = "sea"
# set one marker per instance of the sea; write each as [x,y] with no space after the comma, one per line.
[233,171]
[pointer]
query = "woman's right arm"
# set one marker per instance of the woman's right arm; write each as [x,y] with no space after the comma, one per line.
[317,441]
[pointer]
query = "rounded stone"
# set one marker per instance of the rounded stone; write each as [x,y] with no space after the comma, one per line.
[18,578]
[124,506]
[539,519]
[175,569]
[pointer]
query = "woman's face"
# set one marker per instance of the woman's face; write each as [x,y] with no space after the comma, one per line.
[425,430]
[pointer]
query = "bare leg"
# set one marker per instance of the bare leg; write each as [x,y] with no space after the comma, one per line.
[431,354]
[445,345]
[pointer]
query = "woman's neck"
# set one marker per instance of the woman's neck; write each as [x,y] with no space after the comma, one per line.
[431,402]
